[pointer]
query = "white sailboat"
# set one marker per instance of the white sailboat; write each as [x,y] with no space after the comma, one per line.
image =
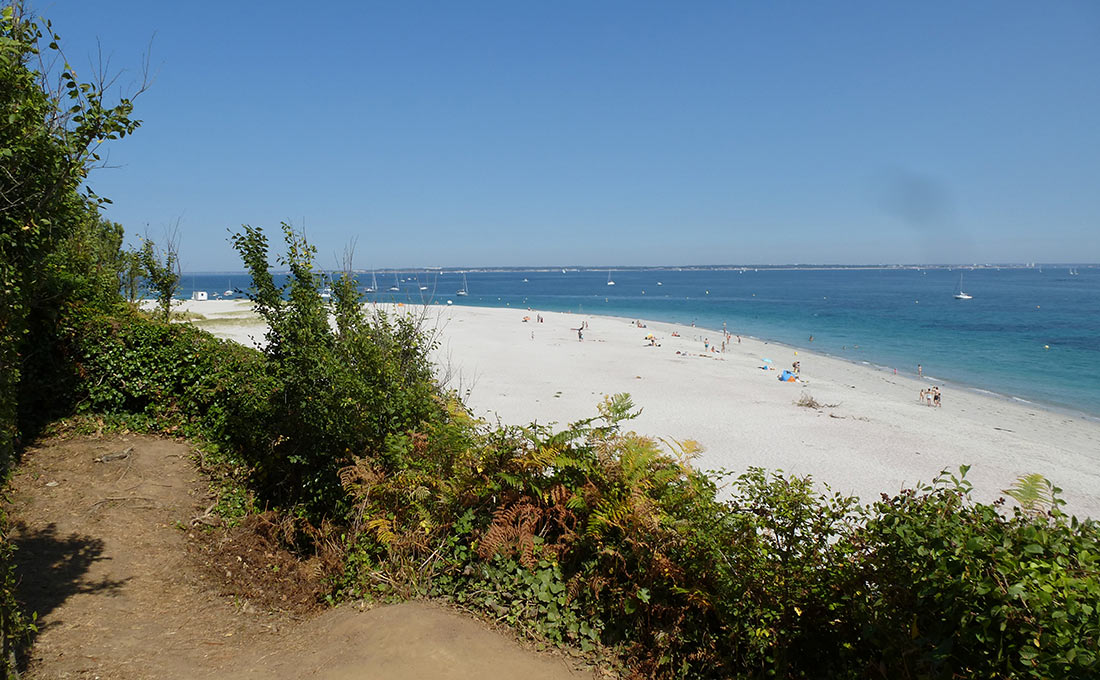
[463,292]
[609,281]
[959,294]
[373,284]
[396,287]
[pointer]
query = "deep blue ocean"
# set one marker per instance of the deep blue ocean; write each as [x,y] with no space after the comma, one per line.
[1027,334]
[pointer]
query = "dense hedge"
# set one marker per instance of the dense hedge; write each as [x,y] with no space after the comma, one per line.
[165,377]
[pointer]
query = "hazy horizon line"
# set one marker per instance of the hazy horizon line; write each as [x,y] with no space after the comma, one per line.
[687,267]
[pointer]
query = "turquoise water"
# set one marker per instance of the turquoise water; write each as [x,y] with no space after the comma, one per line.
[894,318]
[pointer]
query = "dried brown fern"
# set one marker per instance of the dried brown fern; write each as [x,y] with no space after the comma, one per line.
[518,522]
[512,531]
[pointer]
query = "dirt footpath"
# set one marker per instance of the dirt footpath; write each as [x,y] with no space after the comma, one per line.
[103,526]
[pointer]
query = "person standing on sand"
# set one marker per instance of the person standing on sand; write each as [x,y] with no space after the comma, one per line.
[580,335]
[920,371]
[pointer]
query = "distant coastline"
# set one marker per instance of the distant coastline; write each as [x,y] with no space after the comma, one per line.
[685,268]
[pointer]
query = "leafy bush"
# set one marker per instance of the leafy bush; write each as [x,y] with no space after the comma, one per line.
[961,589]
[354,390]
[169,378]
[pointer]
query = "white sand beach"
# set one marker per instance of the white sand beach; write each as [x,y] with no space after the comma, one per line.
[873,436]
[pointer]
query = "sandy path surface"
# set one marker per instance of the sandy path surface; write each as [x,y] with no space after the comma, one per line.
[103,557]
[878,437]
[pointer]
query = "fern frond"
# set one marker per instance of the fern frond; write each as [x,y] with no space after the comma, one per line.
[382,529]
[1035,494]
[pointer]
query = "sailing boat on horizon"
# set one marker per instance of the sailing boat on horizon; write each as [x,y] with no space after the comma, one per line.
[396,287]
[373,288]
[464,291]
[609,281]
[959,294]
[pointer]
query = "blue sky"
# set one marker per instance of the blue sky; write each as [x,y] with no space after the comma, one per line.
[618,133]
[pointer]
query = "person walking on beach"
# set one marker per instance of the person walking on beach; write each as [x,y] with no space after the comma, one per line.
[920,371]
[580,335]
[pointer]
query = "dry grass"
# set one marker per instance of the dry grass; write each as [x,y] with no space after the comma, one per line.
[807,401]
[251,561]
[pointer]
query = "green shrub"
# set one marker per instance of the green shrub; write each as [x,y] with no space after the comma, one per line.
[962,589]
[354,390]
[176,377]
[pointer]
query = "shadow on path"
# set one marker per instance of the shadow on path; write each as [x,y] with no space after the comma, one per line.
[53,568]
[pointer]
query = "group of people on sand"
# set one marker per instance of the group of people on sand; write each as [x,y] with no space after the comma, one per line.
[930,396]
[727,339]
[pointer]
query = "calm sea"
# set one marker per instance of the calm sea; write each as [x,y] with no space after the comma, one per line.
[1028,334]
